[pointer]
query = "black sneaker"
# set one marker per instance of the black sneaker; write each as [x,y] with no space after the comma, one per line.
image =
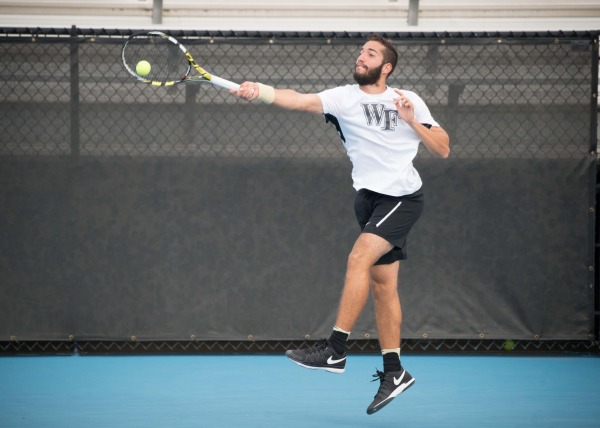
[392,384]
[320,356]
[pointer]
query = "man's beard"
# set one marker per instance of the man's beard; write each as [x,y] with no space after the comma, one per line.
[369,78]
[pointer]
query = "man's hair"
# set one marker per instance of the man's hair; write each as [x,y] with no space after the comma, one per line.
[390,54]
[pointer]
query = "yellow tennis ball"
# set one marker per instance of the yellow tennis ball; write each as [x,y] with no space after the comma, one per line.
[143,68]
[509,345]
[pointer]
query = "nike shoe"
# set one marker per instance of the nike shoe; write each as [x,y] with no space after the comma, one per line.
[392,384]
[320,356]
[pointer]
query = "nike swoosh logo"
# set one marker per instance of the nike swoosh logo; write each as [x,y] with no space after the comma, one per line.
[397,381]
[330,360]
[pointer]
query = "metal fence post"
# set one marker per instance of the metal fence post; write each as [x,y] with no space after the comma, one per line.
[157,10]
[74,91]
[413,12]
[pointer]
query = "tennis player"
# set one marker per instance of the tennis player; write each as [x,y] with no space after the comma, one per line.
[381,129]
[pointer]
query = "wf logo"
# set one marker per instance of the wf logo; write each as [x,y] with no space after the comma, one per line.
[380,116]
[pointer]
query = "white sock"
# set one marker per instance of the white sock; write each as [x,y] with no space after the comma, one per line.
[387,351]
[336,328]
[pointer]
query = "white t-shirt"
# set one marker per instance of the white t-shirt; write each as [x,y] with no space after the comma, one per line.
[380,145]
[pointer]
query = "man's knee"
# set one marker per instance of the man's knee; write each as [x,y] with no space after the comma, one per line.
[367,250]
[358,258]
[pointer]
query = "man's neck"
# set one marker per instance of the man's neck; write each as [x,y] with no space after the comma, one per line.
[377,88]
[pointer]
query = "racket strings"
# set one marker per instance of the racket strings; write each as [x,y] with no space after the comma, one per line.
[167,60]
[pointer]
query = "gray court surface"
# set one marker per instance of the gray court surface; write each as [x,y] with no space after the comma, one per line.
[271,391]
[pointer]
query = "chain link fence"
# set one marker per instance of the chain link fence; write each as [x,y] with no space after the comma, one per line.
[500,96]
[448,346]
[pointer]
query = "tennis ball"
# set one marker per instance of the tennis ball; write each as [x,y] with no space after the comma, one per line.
[143,68]
[509,345]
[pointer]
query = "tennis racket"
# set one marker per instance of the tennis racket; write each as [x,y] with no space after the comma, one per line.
[158,59]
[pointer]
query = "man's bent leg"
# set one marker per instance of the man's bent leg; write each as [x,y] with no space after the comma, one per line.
[367,249]
[330,355]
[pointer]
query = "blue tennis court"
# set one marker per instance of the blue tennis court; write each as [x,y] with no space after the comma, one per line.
[270,391]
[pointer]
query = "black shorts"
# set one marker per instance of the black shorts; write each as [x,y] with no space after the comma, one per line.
[390,217]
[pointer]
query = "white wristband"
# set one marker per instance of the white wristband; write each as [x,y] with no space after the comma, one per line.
[266,93]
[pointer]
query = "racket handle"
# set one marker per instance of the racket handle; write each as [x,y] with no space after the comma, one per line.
[223,83]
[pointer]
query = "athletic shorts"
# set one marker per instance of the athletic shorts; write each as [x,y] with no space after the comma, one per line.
[390,217]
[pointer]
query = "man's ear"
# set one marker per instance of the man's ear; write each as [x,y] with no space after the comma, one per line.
[387,68]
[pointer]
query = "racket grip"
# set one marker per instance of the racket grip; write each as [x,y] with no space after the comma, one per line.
[223,83]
